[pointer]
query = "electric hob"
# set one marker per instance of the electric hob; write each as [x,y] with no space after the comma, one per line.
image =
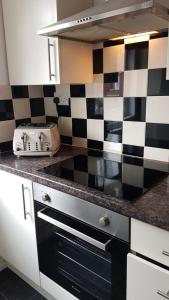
[120,176]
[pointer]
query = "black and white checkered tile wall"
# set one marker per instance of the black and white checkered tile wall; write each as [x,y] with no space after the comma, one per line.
[125,110]
[19,104]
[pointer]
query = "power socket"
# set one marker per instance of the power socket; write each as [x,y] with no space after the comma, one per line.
[64,101]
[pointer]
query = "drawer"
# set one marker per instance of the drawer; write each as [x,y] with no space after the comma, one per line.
[150,241]
[146,281]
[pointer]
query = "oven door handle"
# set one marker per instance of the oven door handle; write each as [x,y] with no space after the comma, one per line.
[91,240]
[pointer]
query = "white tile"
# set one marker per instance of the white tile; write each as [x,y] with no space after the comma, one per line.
[133,175]
[135,83]
[39,119]
[157,164]
[21,108]
[5,92]
[113,59]
[157,110]
[62,90]
[158,53]
[113,109]
[65,126]
[7,131]
[35,91]
[113,147]
[50,107]
[134,133]
[78,108]
[94,90]
[95,130]
[98,78]
[79,142]
[156,154]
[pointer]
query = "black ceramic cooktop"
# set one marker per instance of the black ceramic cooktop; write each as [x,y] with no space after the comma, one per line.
[120,176]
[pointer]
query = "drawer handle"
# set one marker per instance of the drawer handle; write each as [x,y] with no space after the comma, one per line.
[166,253]
[166,296]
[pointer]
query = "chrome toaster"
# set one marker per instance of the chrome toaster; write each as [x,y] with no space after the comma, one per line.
[40,139]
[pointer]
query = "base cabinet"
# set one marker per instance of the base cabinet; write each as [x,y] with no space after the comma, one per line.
[146,281]
[17,225]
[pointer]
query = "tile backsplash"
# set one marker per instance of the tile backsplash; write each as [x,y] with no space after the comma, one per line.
[125,110]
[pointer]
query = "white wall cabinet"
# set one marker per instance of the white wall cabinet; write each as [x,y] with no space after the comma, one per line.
[146,281]
[3,61]
[36,60]
[18,244]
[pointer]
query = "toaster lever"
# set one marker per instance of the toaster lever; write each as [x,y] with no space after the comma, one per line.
[41,139]
[24,138]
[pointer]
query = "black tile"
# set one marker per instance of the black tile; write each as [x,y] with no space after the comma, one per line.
[131,192]
[15,288]
[52,119]
[5,146]
[133,150]
[96,182]
[110,43]
[98,61]
[6,110]
[20,91]
[113,84]
[79,128]
[136,56]
[157,135]
[77,90]
[5,275]
[37,107]
[38,297]
[95,108]
[22,121]
[49,90]
[157,83]
[134,109]
[159,35]
[152,176]
[66,140]
[95,144]
[64,110]
[113,131]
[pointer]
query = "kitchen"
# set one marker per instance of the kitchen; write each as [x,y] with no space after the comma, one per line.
[84,149]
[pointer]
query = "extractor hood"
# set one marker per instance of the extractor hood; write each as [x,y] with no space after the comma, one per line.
[112,19]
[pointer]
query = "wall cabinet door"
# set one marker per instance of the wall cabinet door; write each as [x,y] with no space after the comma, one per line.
[29,55]
[146,281]
[3,61]
[17,225]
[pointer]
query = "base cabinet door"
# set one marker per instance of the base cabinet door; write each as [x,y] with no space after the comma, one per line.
[146,281]
[17,225]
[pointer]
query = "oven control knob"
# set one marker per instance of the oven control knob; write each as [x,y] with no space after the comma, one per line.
[104,221]
[46,198]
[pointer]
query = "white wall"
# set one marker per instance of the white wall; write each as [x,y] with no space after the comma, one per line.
[3,61]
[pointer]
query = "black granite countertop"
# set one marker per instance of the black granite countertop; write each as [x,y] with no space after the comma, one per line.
[152,207]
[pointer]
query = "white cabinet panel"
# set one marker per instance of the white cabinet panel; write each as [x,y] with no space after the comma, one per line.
[3,61]
[146,281]
[150,241]
[17,230]
[28,53]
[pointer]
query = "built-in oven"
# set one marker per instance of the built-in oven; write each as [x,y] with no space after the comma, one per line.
[81,246]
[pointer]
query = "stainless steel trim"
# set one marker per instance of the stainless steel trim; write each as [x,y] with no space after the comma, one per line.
[166,253]
[164,295]
[84,210]
[73,231]
[49,58]
[24,204]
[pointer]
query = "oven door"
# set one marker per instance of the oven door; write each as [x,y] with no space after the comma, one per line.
[85,261]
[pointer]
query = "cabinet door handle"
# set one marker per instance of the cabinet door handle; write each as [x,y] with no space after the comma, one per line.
[50,69]
[166,253]
[24,204]
[164,295]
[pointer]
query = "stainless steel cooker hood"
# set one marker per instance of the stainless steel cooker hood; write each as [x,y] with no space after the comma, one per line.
[112,19]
